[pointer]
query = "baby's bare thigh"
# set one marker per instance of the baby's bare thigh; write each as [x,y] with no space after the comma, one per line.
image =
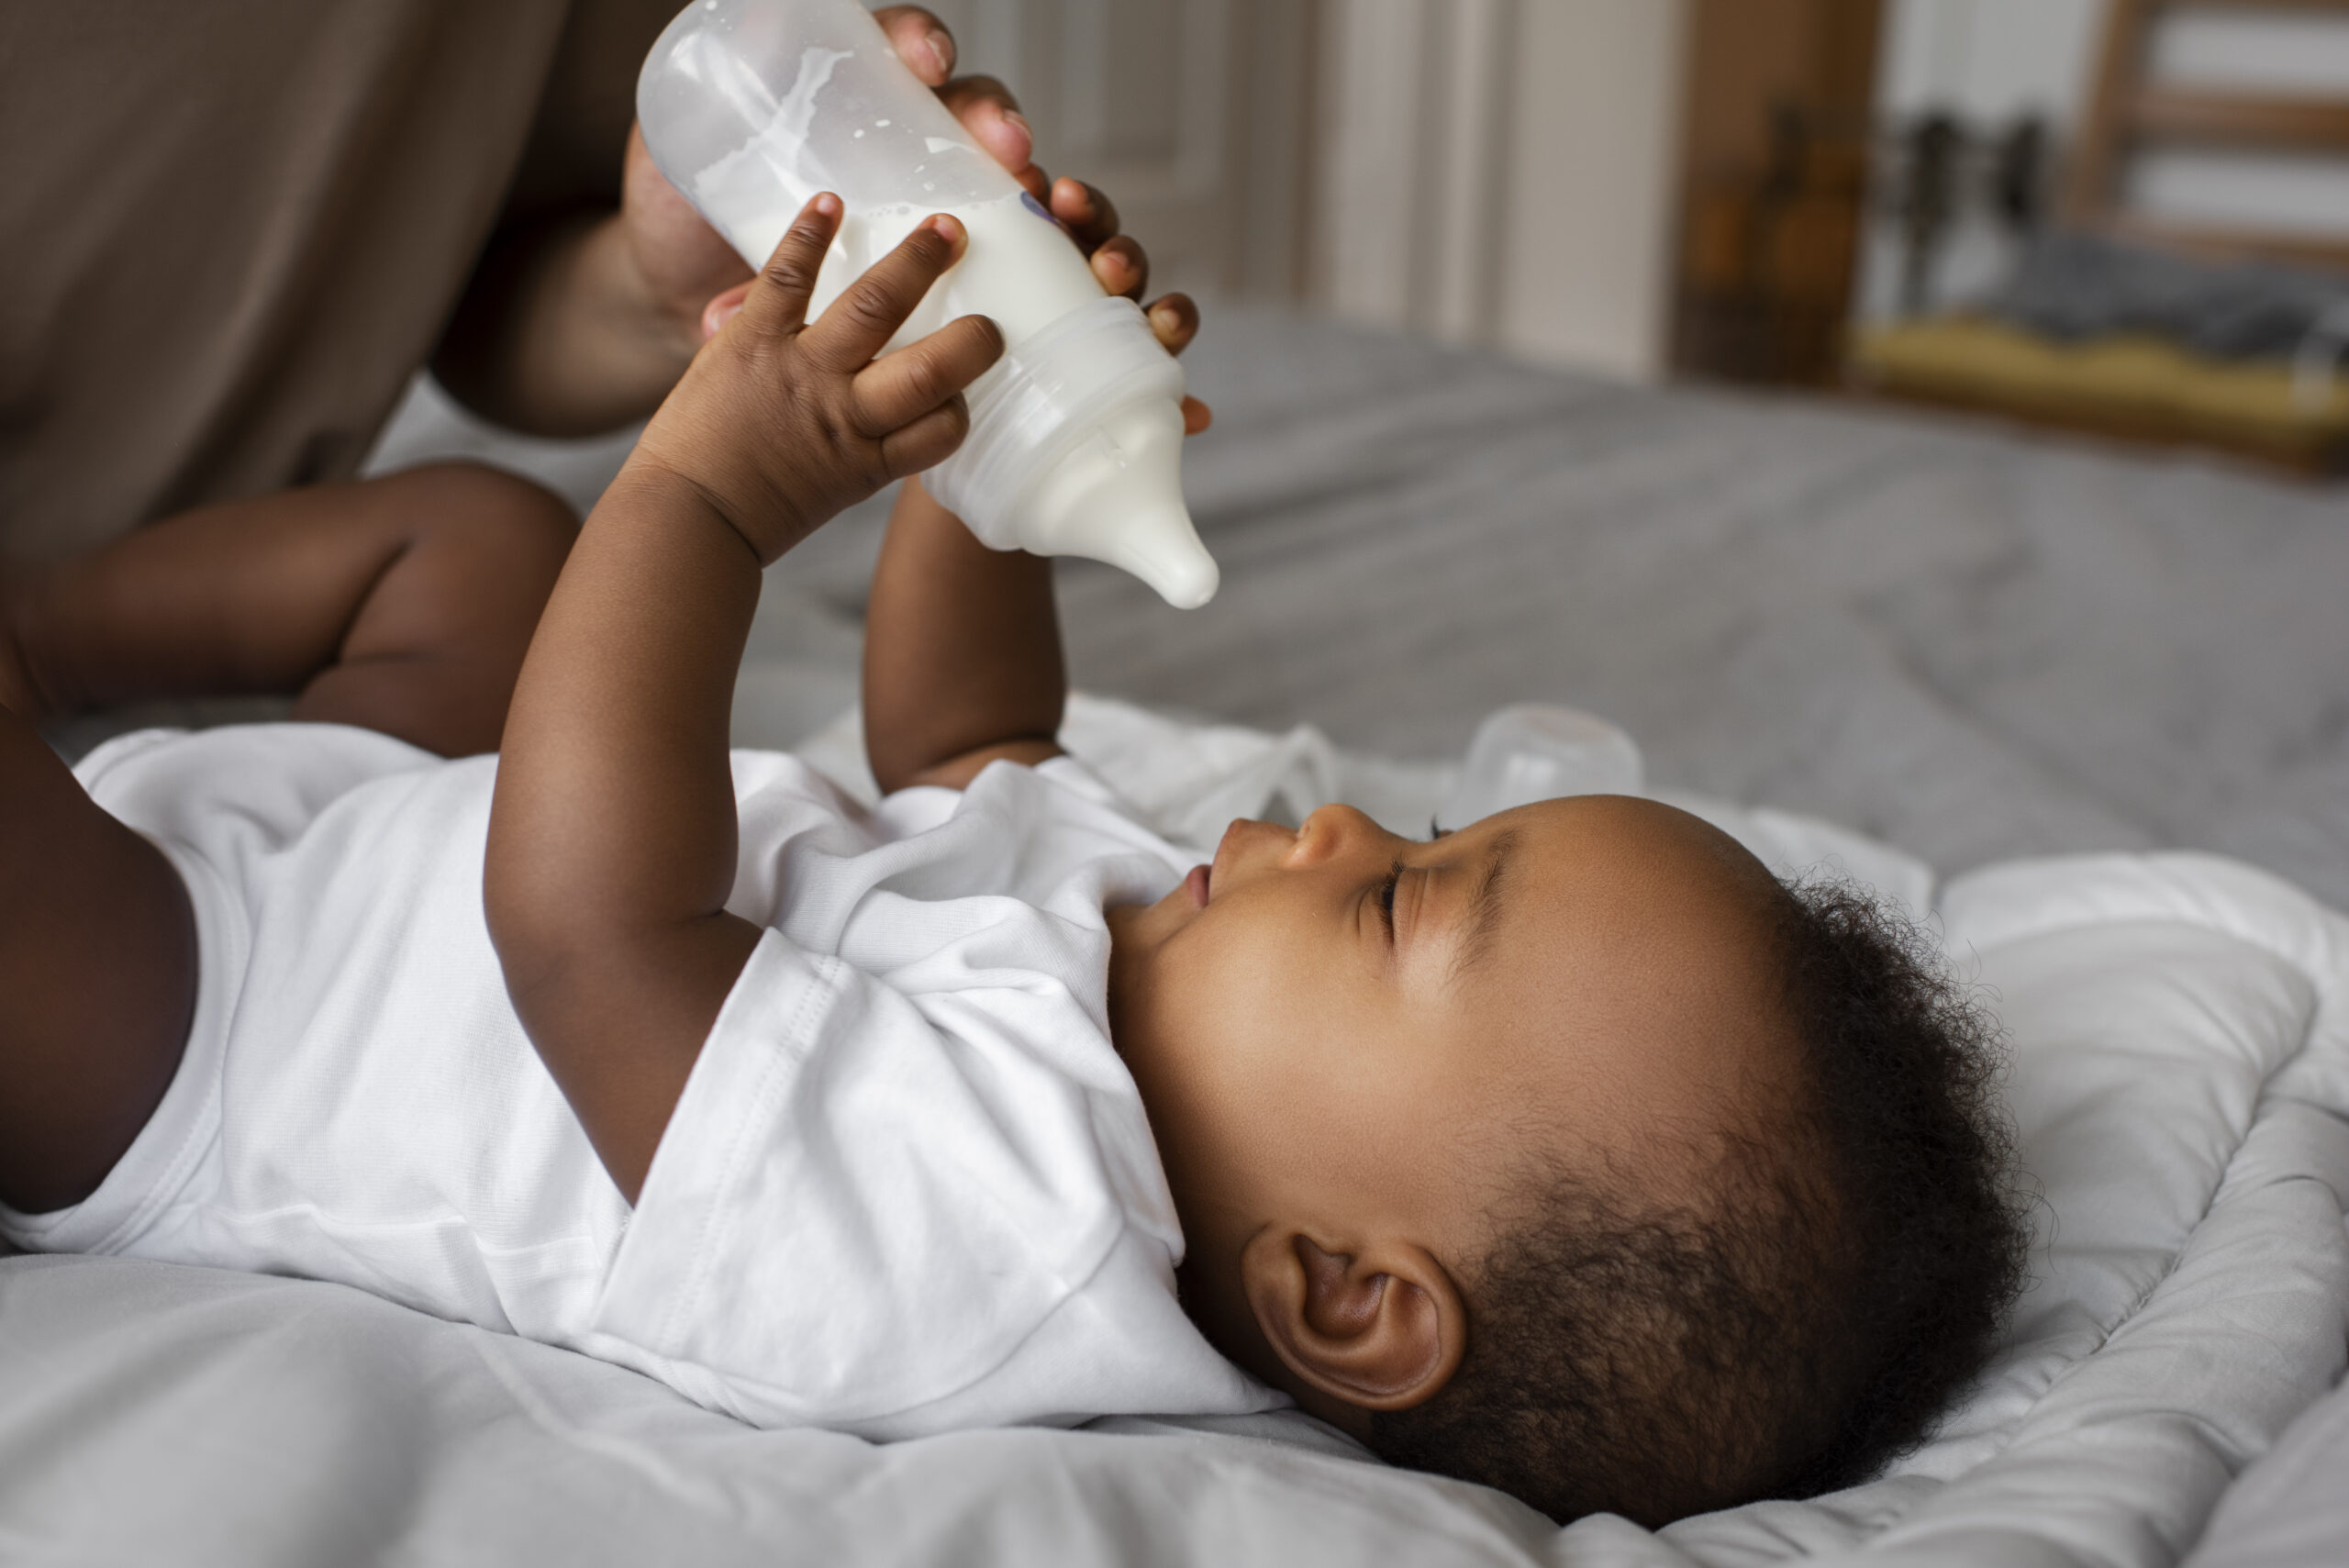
[97,979]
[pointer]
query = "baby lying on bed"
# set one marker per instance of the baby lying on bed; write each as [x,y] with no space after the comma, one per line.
[1566,1152]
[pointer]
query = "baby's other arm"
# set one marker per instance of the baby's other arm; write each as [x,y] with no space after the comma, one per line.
[403,604]
[612,836]
[962,662]
[962,652]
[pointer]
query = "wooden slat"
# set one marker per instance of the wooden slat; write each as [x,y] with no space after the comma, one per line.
[2230,244]
[2269,5]
[2129,112]
[2169,113]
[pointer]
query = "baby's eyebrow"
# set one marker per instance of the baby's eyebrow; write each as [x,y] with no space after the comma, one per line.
[1484,917]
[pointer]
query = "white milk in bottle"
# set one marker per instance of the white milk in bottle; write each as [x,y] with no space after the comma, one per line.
[752,107]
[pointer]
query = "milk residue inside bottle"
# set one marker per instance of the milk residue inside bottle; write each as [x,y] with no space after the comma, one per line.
[751,107]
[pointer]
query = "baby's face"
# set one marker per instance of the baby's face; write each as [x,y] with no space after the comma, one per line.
[1336,1026]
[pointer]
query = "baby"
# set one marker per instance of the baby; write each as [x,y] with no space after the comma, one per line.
[1568,1152]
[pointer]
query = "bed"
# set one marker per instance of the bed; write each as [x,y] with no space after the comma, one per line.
[2090,711]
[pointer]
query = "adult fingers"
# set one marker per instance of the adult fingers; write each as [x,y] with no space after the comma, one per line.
[1120,263]
[920,39]
[928,441]
[992,116]
[780,294]
[1121,268]
[1174,319]
[858,325]
[1091,217]
[897,389]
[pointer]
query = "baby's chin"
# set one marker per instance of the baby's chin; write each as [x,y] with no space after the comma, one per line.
[1138,934]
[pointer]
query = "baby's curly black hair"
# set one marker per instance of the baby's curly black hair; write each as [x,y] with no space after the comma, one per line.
[1801,1327]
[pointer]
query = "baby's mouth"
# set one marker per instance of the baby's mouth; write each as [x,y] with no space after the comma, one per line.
[1196,884]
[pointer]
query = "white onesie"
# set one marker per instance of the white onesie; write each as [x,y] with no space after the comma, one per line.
[910,1187]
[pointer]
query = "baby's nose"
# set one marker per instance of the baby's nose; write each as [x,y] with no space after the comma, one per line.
[1332,830]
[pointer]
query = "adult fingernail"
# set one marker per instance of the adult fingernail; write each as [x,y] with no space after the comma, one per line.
[941,48]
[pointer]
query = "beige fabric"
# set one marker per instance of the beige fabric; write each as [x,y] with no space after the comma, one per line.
[230,230]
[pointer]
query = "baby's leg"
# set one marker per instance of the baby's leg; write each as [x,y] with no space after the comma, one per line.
[403,604]
[97,978]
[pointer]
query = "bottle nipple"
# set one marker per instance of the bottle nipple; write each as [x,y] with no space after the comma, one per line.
[1157,543]
[1118,498]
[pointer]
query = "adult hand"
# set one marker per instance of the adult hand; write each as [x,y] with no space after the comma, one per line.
[680,261]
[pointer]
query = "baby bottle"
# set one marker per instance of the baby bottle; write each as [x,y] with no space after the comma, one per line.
[752,107]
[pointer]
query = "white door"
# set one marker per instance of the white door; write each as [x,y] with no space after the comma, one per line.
[1191,113]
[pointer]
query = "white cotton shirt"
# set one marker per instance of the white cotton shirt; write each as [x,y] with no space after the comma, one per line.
[909,1187]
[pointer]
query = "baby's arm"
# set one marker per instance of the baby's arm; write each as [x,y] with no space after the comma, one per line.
[962,652]
[962,661]
[612,837]
[403,604]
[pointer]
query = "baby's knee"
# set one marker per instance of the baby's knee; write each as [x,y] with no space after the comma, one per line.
[501,517]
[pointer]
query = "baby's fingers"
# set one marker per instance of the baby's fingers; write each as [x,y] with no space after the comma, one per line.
[928,441]
[779,297]
[897,389]
[868,313]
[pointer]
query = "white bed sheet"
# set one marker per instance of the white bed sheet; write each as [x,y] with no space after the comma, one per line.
[2181,1077]
[2290,1509]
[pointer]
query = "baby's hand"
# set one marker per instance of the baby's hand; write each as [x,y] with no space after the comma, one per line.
[780,424]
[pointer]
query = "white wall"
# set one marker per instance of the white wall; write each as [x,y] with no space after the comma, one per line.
[1501,172]
[1586,257]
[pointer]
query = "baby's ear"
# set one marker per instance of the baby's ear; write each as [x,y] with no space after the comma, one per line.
[1379,1326]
